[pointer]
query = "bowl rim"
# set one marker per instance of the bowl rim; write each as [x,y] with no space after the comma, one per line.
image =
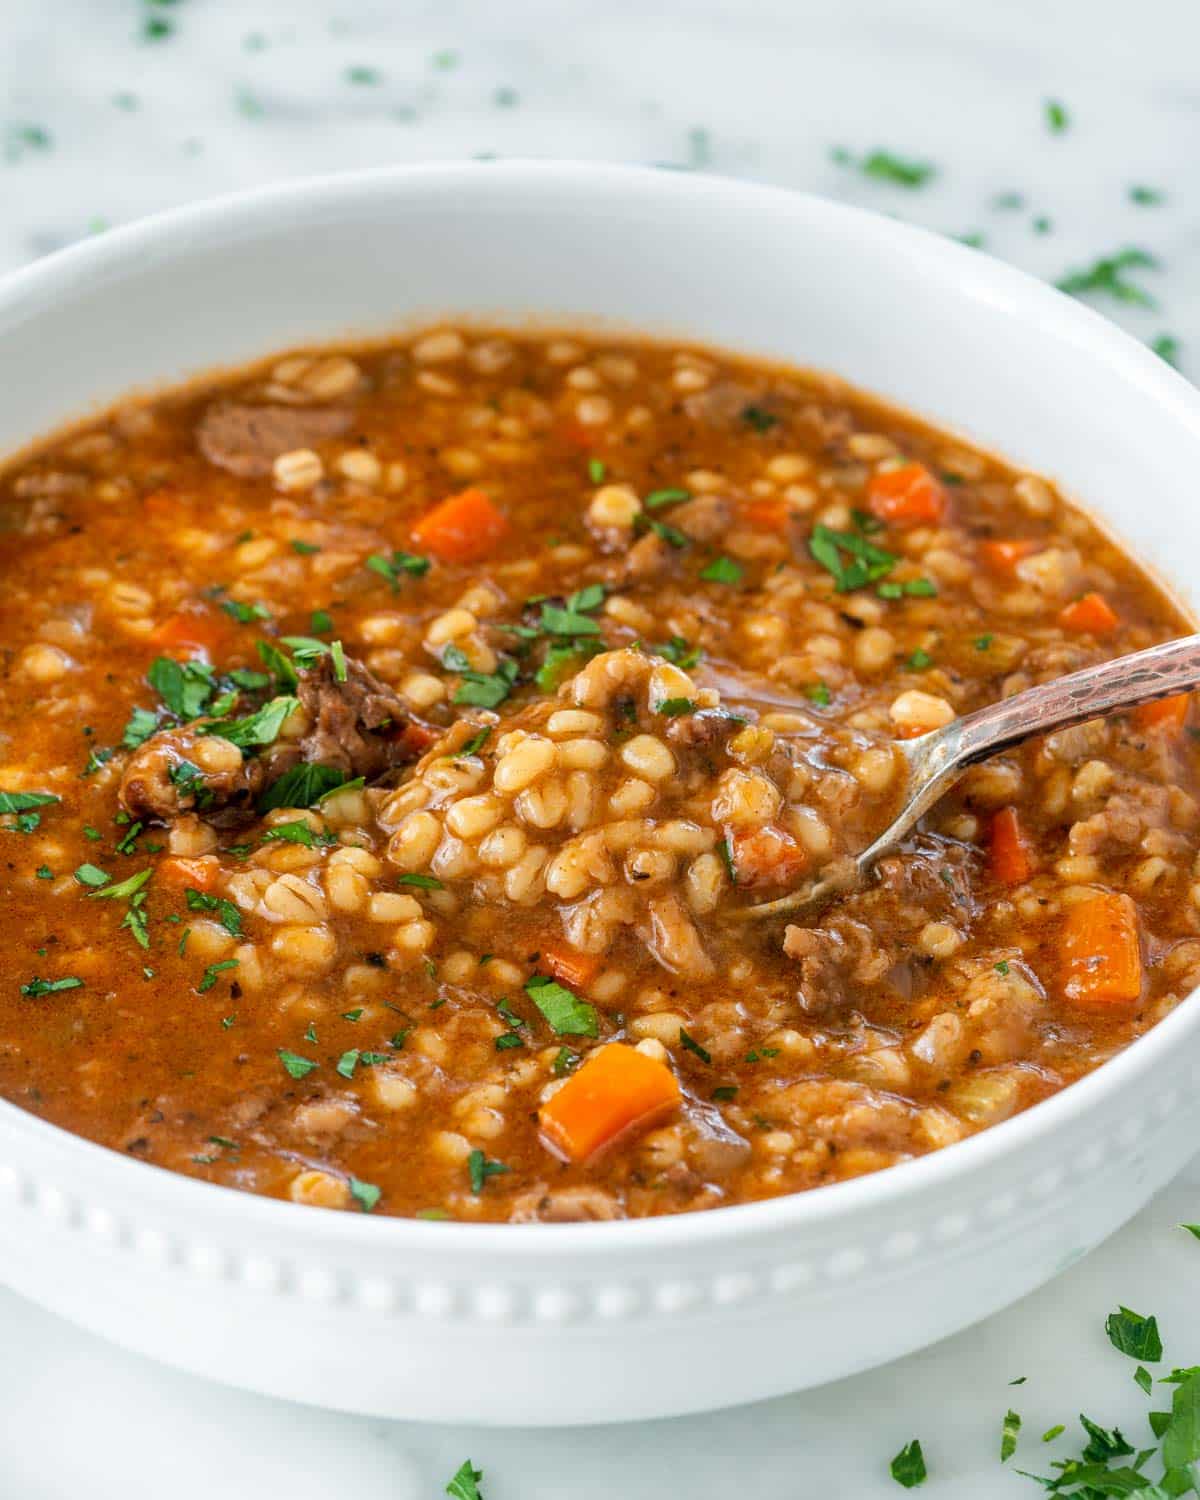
[967,273]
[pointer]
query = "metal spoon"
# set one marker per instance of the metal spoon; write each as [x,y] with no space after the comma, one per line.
[937,760]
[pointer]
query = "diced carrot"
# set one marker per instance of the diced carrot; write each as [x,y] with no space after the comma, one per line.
[1009,857]
[768,515]
[1092,615]
[1167,713]
[189,632]
[905,494]
[575,970]
[1003,556]
[201,874]
[1101,954]
[463,528]
[617,1090]
[766,856]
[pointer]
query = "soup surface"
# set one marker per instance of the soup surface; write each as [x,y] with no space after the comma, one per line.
[390,740]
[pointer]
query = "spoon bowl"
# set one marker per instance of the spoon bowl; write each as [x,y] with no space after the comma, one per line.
[937,760]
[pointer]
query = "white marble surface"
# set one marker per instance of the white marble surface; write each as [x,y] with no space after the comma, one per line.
[98,126]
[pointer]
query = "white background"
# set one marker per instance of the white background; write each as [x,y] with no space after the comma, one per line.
[244,93]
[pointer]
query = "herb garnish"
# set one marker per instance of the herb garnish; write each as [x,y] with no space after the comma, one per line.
[1107,275]
[244,614]
[422,882]
[209,977]
[18,802]
[919,660]
[297,1066]
[92,875]
[656,499]
[674,708]
[819,694]
[1008,1435]
[479,1169]
[1134,1335]
[303,786]
[299,833]
[365,1194]
[677,650]
[849,557]
[38,986]
[259,728]
[597,470]
[465,1484]
[1166,346]
[723,570]
[1057,118]
[565,1013]
[886,166]
[908,1466]
[394,568]
[690,1044]
[228,915]
[487,689]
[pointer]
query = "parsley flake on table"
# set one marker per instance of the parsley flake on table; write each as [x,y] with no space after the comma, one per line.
[465,1483]
[1134,1335]
[886,166]
[564,1012]
[1057,118]
[908,1466]
[1009,1430]
[1107,276]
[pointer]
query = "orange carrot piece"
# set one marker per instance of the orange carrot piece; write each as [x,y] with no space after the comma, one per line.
[768,515]
[1092,615]
[905,494]
[1003,556]
[1009,857]
[463,528]
[1167,713]
[575,970]
[201,873]
[766,856]
[617,1090]
[1101,953]
[189,632]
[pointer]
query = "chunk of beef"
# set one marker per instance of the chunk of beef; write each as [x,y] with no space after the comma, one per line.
[246,440]
[174,773]
[573,1205]
[703,519]
[647,558]
[359,726]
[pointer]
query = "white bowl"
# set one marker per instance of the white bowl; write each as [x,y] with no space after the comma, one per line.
[602,1322]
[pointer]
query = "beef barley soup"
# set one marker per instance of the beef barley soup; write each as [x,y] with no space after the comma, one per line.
[388,737]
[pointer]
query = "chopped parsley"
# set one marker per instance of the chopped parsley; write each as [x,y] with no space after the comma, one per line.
[305,549]
[1145,197]
[656,499]
[565,1061]
[465,1483]
[302,786]
[597,470]
[919,660]
[723,570]
[565,1013]
[1166,346]
[915,588]
[295,1065]
[690,1044]
[227,913]
[674,708]
[299,833]
[209,977]
[726,854]
[849,558]
[479,1169]
[44,872]
[92,875]
[38,986]
[422,882]
[1107,276]
[245,614]
[338,653]
[819,694]
[1134,1335]
[365,1194]
[320,620]
[758,418]
[725,1093]
[1009,1430]
[394,568]
[347,1063]
[886,166]
[1057,119]
[18,802]
[487,689]
[140,725]
[259,728]
[677,650]
[908,1466]
[983,642]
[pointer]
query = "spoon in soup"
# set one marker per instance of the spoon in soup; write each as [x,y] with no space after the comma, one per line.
[935,761]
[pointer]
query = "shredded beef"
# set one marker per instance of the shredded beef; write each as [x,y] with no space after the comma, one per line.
[246,440]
